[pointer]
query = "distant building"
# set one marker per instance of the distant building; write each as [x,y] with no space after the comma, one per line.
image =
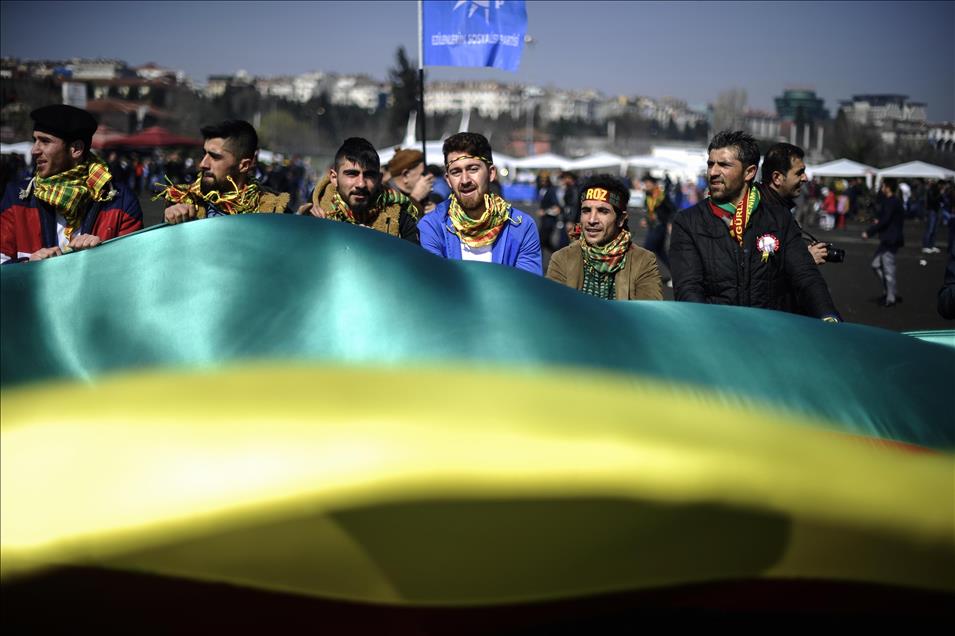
[800,103]
[942,136]
[896,119]
[490,99]
[97,69]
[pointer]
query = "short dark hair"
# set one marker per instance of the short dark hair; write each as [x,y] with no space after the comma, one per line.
[360,151]
[747,151]
[607,182]
[566,174]
[238,134]
[469,143]
[779,158]
[891,183]
[650,178]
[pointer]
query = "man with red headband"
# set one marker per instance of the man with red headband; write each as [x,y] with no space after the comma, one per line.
[735,248]
[72,202]
[474,224]
[604,262]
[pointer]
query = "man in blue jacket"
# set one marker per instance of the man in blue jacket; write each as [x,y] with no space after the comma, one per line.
[889,229]
[474,224]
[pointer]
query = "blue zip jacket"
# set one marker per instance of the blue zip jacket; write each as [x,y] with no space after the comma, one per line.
[518,245]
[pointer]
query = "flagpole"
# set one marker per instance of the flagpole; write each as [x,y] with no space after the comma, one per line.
[424,134]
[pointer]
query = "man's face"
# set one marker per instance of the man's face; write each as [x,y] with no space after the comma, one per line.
[357,186]
[52,155]
[788,185]
[599,222]
[726,175]
[218,164]
[469,180]
[410,178]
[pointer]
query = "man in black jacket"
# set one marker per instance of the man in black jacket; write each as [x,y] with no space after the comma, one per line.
[735,249]
[889,229]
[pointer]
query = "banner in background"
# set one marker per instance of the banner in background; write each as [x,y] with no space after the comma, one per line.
[474,33]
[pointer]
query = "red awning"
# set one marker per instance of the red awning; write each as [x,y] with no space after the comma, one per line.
[154,137]
[103,135]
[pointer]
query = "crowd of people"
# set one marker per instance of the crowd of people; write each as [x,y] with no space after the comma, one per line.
[739,242]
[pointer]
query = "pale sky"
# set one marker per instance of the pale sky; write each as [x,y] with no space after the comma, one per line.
[688,50]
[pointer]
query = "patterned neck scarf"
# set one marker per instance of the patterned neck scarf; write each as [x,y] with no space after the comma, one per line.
[239,201]
[484,230]
[740,214]
[599,284]
[607,258]
[341,212]
[71,192]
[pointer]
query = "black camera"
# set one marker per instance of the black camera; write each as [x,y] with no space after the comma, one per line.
[834,254]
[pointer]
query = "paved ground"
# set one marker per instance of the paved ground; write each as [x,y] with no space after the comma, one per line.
[854,287]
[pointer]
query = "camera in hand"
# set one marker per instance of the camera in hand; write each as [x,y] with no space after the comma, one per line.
[834,254]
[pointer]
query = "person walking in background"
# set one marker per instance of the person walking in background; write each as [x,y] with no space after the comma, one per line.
[889,229]
[933,199]
[659,212]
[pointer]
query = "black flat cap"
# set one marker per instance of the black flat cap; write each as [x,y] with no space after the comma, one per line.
[69,123]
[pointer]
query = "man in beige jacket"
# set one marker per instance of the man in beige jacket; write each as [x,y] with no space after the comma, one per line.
[604,262]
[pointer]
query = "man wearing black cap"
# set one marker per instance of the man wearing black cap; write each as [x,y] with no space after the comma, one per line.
[604,262]
[72,202]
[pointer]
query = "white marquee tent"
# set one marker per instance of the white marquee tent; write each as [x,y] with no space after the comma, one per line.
[842,168]
[598,160]
[542,161]
[917,169]
[22,148]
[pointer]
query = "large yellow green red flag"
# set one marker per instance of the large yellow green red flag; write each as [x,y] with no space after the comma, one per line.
[322,416]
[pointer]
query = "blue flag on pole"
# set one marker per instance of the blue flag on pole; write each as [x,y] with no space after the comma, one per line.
[474,33]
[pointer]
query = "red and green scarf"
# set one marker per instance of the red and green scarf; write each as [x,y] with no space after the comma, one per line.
[240,201]
[72,191]
[485,229]
[608,258]
[740,215]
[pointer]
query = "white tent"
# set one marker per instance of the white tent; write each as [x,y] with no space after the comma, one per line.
[917,169]
[22,148]
[436,154]
[840,168]
[658,166]
[542,161]
[652,162]
[598,160]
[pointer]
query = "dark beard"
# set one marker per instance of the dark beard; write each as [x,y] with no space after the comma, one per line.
[222,187]
[361,210]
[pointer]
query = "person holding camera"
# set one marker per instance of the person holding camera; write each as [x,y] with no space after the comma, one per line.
[784,173]
[735,248]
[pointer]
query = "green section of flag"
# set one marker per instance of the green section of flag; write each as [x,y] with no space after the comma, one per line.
[273,287]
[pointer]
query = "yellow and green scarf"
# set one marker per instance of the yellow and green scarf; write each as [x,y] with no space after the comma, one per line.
[240,201]
[608,258]
[71,192]
[740,214]
[654,198]
[342,212]
[484,230]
